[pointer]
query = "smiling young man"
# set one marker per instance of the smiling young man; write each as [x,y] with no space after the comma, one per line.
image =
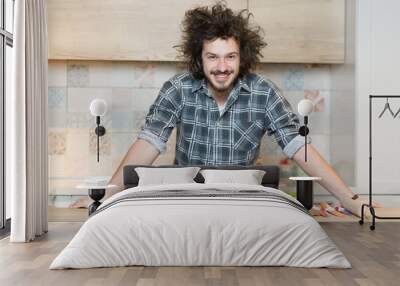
[221,60]
[220,109]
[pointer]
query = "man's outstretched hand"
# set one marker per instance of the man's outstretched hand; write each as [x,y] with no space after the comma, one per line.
[81,203]
[354,206]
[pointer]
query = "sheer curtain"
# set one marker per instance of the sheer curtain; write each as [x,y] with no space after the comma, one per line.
[28,119]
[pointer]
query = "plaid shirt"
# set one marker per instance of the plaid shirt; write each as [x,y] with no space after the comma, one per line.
[206,136]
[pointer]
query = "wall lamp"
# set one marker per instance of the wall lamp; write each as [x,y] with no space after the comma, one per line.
[305,108]
[98,108]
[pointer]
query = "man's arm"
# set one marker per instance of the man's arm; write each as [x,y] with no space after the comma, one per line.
[161,119]
[140,153]
[316,166]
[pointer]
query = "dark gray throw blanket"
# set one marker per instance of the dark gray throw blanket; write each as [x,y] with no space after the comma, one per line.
[206,194]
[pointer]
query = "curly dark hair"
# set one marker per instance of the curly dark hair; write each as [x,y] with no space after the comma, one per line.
[204,23]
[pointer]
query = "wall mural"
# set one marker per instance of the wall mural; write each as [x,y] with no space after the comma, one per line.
[129,89]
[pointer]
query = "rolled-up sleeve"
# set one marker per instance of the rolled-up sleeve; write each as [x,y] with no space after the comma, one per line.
[163,116]
[283,123]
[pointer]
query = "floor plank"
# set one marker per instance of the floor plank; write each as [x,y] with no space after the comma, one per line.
[375,257]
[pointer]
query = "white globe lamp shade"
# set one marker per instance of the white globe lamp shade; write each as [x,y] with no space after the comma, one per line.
[98,107]
[305,107]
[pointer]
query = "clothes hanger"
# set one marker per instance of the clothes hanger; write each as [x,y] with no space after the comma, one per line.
[397,113]
[387,107]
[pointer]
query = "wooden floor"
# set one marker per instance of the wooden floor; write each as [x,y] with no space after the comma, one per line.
[374,255]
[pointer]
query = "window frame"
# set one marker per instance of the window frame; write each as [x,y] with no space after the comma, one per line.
[6,39]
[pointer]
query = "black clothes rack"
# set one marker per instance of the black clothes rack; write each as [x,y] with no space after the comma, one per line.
[369,205]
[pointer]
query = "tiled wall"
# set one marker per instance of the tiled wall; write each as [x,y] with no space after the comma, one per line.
[129,89]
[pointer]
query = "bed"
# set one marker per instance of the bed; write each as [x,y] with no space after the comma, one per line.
[201,224]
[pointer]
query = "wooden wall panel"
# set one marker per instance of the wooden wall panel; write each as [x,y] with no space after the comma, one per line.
[305,31]
[118,29]
[297,31]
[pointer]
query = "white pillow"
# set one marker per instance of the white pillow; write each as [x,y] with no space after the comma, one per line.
[163,176]
[248,177]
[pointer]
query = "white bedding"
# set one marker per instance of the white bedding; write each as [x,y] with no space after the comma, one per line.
[186,230]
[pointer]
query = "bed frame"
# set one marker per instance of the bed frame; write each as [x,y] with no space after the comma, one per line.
[270,179]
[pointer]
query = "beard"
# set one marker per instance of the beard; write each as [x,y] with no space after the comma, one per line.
[221,86]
